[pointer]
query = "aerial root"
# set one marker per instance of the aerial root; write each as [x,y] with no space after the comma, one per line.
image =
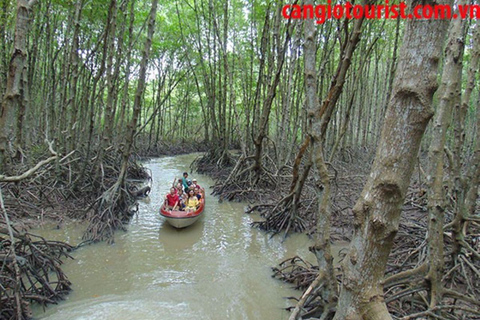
[213,161]
[407,290]
[282,217]
[297,271]
[30,272]
[114,208]
[112,212]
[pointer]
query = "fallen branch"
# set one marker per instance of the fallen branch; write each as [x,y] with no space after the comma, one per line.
[31,171]
[27,173]
[311,289]
[407,274]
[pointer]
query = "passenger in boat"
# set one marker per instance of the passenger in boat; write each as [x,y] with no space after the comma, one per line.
[171,200]
[197,193]
[195,184]
[176,181]
[185,181]
[179,187]
[182,199]
[192,201]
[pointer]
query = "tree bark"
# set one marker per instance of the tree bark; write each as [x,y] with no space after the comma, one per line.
[465,185]
[137,104]
[321,248]
[267,104]
[74,59]
[125,97]
[450,89]
[377,212]
[106,135]
[12,98]
[5,11]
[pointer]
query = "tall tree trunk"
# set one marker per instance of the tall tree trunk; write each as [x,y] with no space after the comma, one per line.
[377,212]
[356,84]
[110,82]
[72,100]
[12,98]
[125,97]
[137,104]
[319,118]
[321,248]
[4,14]
[92,103]
[271,93]
[112,74]
[450,90]
[466,185]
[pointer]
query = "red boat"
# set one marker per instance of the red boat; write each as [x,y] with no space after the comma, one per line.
[181,219]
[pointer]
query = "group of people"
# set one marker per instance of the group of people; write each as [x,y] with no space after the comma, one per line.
[184,195]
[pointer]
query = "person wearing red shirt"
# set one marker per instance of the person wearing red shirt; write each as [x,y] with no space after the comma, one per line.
[171,199]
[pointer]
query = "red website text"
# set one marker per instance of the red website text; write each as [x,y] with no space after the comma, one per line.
[323,12]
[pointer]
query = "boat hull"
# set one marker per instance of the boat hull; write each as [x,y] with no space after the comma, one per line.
[182,219]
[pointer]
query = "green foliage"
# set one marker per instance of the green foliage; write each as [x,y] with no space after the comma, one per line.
[203,84]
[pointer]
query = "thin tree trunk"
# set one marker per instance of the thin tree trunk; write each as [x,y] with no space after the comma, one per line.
[466,185]
[110,82]
[450,89]
[4,13]
[72,100]
[321,119]
[322,248]
[267,105]
[351,99]
[137,104]
[126,98]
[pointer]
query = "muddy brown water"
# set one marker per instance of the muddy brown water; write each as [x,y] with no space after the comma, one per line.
[218,268]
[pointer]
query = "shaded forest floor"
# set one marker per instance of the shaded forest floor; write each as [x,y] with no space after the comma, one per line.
[408,296]
[351,170]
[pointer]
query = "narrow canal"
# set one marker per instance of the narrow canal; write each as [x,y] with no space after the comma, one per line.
[218,268]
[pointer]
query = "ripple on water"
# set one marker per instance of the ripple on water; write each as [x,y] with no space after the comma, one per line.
[215,269]
[124,307]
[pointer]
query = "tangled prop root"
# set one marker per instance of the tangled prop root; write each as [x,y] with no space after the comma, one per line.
[30,272]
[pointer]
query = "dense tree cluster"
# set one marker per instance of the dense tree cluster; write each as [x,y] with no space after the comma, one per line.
[284,105]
